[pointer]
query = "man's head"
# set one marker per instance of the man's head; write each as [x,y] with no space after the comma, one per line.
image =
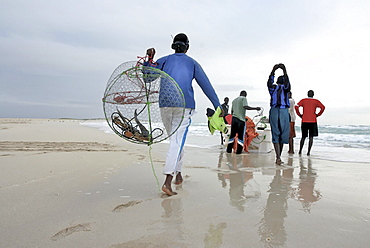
[280,80]
[310,93]
[243,93]
[226,100]
[180,43]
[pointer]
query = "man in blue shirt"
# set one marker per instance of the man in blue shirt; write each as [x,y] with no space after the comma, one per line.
[279,111]
[183,69]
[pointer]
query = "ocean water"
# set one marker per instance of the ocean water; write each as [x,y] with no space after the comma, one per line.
[347,143]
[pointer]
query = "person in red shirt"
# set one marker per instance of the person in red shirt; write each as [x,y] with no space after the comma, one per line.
[309,119]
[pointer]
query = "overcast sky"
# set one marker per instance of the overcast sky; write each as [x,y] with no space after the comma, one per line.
[57,56]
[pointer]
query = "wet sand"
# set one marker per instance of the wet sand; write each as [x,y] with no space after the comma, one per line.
[67,185]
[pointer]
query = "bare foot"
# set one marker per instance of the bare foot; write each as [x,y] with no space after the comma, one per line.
[179,179]
[168,191]
[178,182]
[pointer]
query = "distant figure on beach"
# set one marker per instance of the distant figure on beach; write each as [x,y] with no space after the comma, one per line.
[238,108]
[309,119]
[279,111]
[292,123]
[225,108]
[183,69]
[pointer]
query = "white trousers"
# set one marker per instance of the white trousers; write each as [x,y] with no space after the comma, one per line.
[171,118]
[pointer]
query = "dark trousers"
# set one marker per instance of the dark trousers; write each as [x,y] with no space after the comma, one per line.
[237,127]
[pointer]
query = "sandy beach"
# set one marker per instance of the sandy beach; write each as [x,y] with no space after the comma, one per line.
[63,184]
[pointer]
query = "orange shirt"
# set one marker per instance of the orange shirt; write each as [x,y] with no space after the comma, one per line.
[309,109]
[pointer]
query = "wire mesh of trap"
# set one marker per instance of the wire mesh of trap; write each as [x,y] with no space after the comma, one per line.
[133,99]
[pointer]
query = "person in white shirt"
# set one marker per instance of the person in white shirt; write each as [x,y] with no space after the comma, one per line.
[292,123]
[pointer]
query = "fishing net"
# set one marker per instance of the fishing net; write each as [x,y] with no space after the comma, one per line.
[133,99]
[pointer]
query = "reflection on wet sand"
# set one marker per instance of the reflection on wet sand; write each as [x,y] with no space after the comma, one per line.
[174,225]
[172,218]
[306,192]
[213,238]
[271,227]
[238,170]
[237,173]
[241,186]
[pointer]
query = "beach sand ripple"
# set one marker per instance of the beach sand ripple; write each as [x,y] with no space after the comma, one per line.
[21,146]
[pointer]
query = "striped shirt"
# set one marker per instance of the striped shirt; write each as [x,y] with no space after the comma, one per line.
[279,92]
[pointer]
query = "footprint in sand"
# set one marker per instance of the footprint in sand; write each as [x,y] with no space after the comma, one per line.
[70,230]
[141,157]
[121,207]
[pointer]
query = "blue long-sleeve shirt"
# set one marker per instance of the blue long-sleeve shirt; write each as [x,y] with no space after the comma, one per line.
[279,92]
[183,69]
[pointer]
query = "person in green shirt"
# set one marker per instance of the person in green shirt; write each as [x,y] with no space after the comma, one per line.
[238,108]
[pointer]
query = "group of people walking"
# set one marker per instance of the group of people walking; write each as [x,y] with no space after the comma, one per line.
[184,69]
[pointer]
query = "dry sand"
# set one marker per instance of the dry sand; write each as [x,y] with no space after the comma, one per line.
[67,185]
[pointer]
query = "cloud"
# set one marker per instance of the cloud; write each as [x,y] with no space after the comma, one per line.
[59,55]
